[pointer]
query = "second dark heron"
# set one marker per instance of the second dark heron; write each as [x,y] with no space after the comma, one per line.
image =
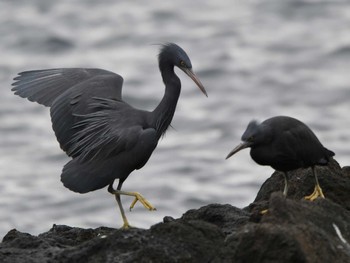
[106,137]
[285,144]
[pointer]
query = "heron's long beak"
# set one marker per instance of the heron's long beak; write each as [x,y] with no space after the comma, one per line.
[193,76]
[239,147]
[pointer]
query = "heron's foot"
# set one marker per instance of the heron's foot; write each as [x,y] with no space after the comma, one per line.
[142,200]
[316,193]
[264,212]
[125,226]
[138,197]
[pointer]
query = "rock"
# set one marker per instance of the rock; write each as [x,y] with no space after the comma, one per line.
[226,217]
[293,230]
[334,181]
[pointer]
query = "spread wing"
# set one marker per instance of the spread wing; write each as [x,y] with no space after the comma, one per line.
[44,86]
[90,120]
[69,92]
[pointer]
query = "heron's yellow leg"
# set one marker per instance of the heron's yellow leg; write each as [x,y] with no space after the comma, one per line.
[138,197]
[126,224]
[285,190]
[317,191]
[143,201]
[311,197]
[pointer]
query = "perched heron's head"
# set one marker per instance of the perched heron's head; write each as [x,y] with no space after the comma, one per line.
[255,134]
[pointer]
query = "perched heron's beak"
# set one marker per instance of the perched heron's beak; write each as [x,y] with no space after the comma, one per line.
[193,76]
[239,147]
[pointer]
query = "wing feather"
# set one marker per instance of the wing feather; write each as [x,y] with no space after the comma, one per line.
[44,86]
[68,92]
[104,132]
[90,120]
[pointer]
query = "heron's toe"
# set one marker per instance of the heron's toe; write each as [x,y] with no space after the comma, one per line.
[316,193]
[263,212]
[125,226]
[143,201]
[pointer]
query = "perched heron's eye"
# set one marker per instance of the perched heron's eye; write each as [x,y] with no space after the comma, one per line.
[182,63]
[251,138]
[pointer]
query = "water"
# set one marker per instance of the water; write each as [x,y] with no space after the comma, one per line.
[257,59]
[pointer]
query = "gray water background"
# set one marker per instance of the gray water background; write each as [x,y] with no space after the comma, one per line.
[257,59]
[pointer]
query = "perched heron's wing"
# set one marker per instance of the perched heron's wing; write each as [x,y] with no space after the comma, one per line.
[301,145]
[107,131]
[44,86]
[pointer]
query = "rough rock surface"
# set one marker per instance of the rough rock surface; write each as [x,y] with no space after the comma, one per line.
[293,230]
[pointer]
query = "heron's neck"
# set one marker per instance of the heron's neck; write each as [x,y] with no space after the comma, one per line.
[164,112]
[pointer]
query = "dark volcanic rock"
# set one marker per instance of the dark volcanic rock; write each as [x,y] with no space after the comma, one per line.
[293,230]
[334,181]
[226,217]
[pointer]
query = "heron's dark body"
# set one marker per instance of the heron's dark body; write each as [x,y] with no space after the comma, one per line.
[89,171]
[106,137]
[288,145]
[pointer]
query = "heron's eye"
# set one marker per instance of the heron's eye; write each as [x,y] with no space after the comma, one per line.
[182,63]
[251,138]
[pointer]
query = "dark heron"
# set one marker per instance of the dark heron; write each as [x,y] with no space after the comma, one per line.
[285,144]
[105,136]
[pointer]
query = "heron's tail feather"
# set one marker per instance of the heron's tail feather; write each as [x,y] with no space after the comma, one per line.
[329,153]
[83,177]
